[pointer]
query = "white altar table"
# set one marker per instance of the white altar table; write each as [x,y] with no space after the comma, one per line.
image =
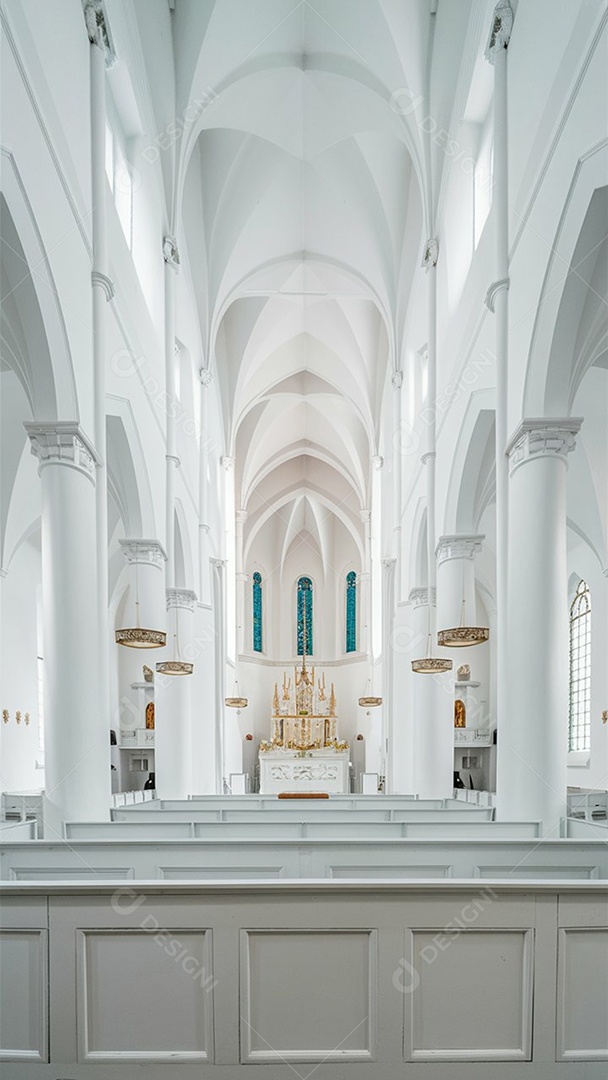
[316,770]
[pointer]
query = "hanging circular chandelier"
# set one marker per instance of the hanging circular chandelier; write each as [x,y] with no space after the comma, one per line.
[177,666]
[463,636]
[174,667]
[370,702]
[431,665]
[459,637]
[139,637]
[236,701]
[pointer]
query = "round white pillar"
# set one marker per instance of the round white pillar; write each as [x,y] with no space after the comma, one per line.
[432,714]
[173,703]
[532,735]
[146,601]
[241,578]
[456,580]
[77,730]
[206,379]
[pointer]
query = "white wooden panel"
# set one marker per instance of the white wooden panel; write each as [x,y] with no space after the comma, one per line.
[453,1016]
[70,873]
[387,871]
[308,995]
[220,873]
[23,995]
[144,996]
[539,872]
[583,995]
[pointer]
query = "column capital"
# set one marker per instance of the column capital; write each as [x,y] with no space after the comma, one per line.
[227,462]
[500,33]
[98,29]
[543,437]
[205,376]
[377,462]
[241,516]
[460,546]
[181,598]
[419,596]
[397,380]
[388,563]
[171,252]
[62,442]
[143,551]
[366,516]
[430,254]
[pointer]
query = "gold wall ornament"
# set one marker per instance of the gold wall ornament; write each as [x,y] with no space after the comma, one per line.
[460,714]
[275,700]
[18,716]
[5,716]
[148,674]
[27,719]
[605,716]
[150,716]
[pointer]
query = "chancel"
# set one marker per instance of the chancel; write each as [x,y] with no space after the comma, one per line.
[304,539]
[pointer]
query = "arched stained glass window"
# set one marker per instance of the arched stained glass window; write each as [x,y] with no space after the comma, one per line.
[305,606]
[351,612]
[257,612]
[579,721]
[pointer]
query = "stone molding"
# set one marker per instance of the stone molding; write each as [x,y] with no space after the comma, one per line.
[181,598]
[205,376]
[104,282]
[431,253]
[62,442]
[150,552]
[458,547]
[493,290]
[171,252]
[500,34]
[397,380]
[539,438]
[98,29]
[419,596]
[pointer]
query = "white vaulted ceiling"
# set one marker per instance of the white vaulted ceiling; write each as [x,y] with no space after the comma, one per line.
[303,194]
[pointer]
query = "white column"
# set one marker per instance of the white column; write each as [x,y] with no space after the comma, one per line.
[532,736]
[77,730]
[173,704]
[206,379]
[241,578]
[146,600]
[228,464]
[219,608]
[397,384]
[171,257]
[497,301]
[364,587]
[431,255]
[389,567]
[455,579]
[432,713]
[101,56]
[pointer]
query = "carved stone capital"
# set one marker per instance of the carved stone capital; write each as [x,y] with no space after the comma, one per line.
[103,282]
[493,291]
[147,552]
[397,380]
[62,442]
[366,516]
[227,462]
[241,516]
[181,598]
[458,547]
[389,563]
[500,33]
[430,254]
[537,438]
[377,462]
[419,597]
[206,377]
[98,29]
[171,252]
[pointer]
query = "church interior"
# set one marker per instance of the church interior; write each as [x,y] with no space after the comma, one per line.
[304,539]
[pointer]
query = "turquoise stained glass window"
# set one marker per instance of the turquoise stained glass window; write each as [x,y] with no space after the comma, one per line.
[351,612]
[305,604]
[257,612]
